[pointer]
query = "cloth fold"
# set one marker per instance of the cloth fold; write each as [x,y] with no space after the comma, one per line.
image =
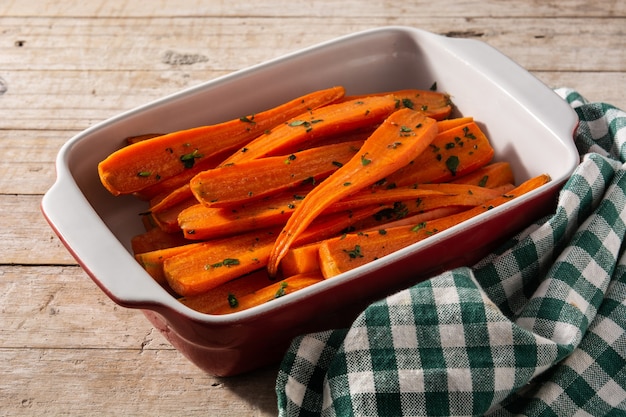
[536,328]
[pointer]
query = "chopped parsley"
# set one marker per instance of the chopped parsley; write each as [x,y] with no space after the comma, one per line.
[281,290]
[354,253]
[232,300]
[189,159]
[227,262]
[452,163]
[248,119]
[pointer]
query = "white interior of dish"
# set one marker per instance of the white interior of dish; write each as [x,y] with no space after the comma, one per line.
[528,124]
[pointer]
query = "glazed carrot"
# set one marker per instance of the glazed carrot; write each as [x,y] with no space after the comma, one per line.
[491,175]
[410,219]
[227,294]
[431,103]
[329,120]
[154,239]
[251,180]
[372,196]
[148,162]
[201,222]
[167,219]
[452,153]
[271,292]
[403,136]
[338,255]
[448,124]
[173,198]
[457,196]
[300,260]
[213,263]
[163,189]
[152,261]
[217,261]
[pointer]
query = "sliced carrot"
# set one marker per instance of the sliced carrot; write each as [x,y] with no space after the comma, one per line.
[173,198]
[329,120]
[148,162]
[300,260]
[251,180]
[166,188]
[448,124]
[342,254]
[491,175]
[154,239]
[213,263]
[217,261]
[431,103]
[167,219]
[457,196]
[153,261]
[372,196]
[451,154]
[201,222]
[410,219]
[228,294]
[404,135]
[269,293]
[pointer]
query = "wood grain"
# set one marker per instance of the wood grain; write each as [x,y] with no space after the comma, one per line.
[65,348]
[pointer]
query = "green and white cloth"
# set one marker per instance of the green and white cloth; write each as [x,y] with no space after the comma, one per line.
[537,329]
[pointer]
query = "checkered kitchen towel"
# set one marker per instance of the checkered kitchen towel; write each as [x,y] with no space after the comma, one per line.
[537,329]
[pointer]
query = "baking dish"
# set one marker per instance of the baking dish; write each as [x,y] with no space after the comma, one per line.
[528,124]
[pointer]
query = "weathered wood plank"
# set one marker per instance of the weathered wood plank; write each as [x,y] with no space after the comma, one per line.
[28,240]
[323,8]
[230,44]
[58,326]
[55,117]
[65,309]
[109,382]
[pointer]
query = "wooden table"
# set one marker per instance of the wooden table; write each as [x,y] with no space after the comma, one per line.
[65,348]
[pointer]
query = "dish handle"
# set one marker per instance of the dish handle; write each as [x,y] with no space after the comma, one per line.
[65,209]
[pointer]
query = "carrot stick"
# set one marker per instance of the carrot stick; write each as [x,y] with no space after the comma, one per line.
[410,219]
[251,180]
[329,120]
[227,294]
[162,189]
[148,162]
[452,154]
[457,196]
[491,175]
[154,239]
[213,263]
[301,259]
[448,124]
[403,136]
[167,219]
[153,261]
[431,103]
[338,255]
[173,198]
[269,293]
[201,222]
[217,261]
